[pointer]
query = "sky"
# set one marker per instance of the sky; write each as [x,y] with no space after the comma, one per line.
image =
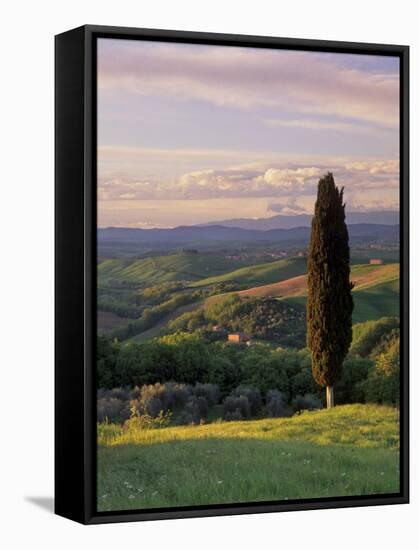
[192,133]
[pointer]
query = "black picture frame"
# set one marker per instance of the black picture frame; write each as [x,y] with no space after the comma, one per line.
[75,271]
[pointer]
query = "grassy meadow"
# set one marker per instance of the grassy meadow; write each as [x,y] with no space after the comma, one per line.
[350,450]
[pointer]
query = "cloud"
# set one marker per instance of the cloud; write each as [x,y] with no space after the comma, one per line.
[304,82]
[291,208]
[288,186]
[328,125]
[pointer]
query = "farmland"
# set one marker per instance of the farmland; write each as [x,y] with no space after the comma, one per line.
[375,292]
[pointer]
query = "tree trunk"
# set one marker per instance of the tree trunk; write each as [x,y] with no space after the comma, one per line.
[330,401]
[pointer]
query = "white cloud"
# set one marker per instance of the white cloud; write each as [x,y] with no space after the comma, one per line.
[367,182]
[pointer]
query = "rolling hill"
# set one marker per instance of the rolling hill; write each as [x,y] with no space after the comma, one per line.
[363,276]
[260,274]
[281,221]
[370,303]
[193,234]
[182,266]
[376,292]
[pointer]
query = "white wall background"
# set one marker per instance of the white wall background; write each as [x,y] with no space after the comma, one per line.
[26,271]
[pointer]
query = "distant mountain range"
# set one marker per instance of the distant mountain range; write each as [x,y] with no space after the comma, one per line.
[186,235]
[384,217]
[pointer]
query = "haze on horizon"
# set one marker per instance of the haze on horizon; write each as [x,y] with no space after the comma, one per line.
[189,134]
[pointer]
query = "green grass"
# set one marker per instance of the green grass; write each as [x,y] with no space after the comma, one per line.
[370,303]
[161,269]
[382,300]
[350,450]
[260,274]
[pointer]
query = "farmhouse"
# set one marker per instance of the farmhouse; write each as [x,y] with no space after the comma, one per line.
[238,338]
[376,261]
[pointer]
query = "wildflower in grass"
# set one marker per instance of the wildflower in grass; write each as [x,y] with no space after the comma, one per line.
[131,496]
[220,481]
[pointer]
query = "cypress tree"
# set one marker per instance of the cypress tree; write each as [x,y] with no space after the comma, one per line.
[329,300]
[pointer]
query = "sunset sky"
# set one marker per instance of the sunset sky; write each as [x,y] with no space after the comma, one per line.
[192,133]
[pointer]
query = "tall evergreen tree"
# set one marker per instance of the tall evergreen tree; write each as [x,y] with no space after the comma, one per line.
[329,300]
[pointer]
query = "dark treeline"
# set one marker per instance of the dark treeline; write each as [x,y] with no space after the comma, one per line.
[370,372]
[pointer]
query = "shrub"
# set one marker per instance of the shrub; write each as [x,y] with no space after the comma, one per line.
[367,336]
[253,396]
[306,402]
[112,409]
[174,396]
[120,393]
[184,418]
[349,388]
[235,406]
[235,415]
[138,421]
[151,402]
[210,392]
[197,408]
[383,382]
[275,404]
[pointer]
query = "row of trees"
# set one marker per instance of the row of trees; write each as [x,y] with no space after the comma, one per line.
[189,359]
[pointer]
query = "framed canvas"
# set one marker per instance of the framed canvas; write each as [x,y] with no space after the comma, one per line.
[231,274]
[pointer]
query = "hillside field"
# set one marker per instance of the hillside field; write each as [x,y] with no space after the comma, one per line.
[376,290]
[260,274]
[349,450]
[182,266]
[371,303]
[363,276]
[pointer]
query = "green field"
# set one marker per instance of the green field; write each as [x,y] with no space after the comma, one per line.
[349,450]
[160,269]
[370,303]
[260,274]
[381,300]
[376,291]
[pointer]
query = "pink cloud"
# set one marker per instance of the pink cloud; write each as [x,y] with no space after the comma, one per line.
[305,82]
